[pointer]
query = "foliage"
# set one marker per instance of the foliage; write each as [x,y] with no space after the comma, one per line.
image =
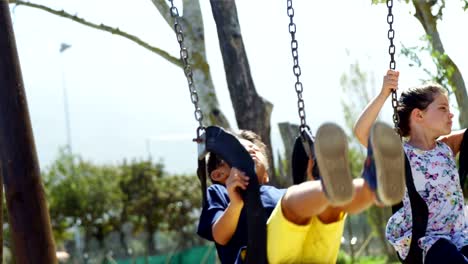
[343,258]
[443,72]
[154,201]
[182,207]
[138,183]
[99,199]
[375,2]
[81,194]
[447,73]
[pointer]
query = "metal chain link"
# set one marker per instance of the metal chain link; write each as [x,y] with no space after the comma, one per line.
[296,68]
[187,68]
[391,51]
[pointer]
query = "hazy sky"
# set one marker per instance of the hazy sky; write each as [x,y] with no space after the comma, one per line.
[126,102]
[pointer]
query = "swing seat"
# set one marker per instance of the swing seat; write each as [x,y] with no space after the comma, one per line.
[303,150]
[419,210]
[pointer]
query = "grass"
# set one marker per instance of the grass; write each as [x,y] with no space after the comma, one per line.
[343,258]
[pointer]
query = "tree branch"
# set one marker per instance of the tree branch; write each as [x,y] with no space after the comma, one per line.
[163,9]
[115,31]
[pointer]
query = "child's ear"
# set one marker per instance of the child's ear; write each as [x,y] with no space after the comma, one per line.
[266,179]
[417,114]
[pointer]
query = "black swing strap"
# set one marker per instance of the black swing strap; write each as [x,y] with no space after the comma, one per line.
[304,144]
[299,161]
[463,159]
[419,212]
[216,140]
[201,173]
[303,151]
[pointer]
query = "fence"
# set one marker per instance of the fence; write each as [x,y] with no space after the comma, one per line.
[201,254]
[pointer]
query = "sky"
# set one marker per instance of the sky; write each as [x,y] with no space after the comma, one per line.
[125,102]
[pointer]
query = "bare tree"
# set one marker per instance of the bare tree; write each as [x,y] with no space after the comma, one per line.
[428,19]
[428,13]
[195,38]
[252,111]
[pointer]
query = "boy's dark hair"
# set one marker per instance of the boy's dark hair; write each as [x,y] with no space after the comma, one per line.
[419,97]
[214,161]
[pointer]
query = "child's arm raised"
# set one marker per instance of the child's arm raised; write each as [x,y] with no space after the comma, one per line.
[225,227]
[369,114]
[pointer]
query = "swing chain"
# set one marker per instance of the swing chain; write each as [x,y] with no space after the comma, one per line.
[184,55]
[391,51]
[296,68]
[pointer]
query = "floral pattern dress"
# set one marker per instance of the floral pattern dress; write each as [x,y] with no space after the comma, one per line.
[436,179]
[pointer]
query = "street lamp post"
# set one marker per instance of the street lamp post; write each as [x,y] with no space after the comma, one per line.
[63,48]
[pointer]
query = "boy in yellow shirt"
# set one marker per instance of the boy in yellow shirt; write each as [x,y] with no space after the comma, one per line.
[307,223]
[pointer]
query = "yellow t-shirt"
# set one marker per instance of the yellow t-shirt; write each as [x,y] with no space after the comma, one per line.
[315,242]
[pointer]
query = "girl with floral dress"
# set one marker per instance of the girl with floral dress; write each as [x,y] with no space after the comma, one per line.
[430,146]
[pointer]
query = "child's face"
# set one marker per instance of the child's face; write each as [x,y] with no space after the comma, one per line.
[259,159]
[221,173]
[437,117]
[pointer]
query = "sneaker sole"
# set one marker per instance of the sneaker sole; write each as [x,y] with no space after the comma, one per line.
[389,163]
[331,150]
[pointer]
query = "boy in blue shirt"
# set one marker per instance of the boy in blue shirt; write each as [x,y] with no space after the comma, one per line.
[224,219]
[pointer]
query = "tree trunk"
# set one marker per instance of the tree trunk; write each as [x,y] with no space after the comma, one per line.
[365,231]
[122,239]
[251,110]
[452,73]
[28,214]
[377,218]
[194,41]
[86,248]
[349,227]
[100,236]
[288,132]
[150,229]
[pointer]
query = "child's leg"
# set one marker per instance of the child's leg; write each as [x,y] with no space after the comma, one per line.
[320,198]
[362,200]
[305,228]
[331,150]
[384,169]
[443,251]
[302,202]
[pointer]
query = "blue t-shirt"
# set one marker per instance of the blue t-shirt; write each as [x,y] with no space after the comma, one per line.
[217,202]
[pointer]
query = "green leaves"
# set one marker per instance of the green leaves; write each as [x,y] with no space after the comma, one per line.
[100,199]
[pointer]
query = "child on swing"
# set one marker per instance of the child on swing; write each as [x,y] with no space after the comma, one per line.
[224,220]
[430,145]
[307,220]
